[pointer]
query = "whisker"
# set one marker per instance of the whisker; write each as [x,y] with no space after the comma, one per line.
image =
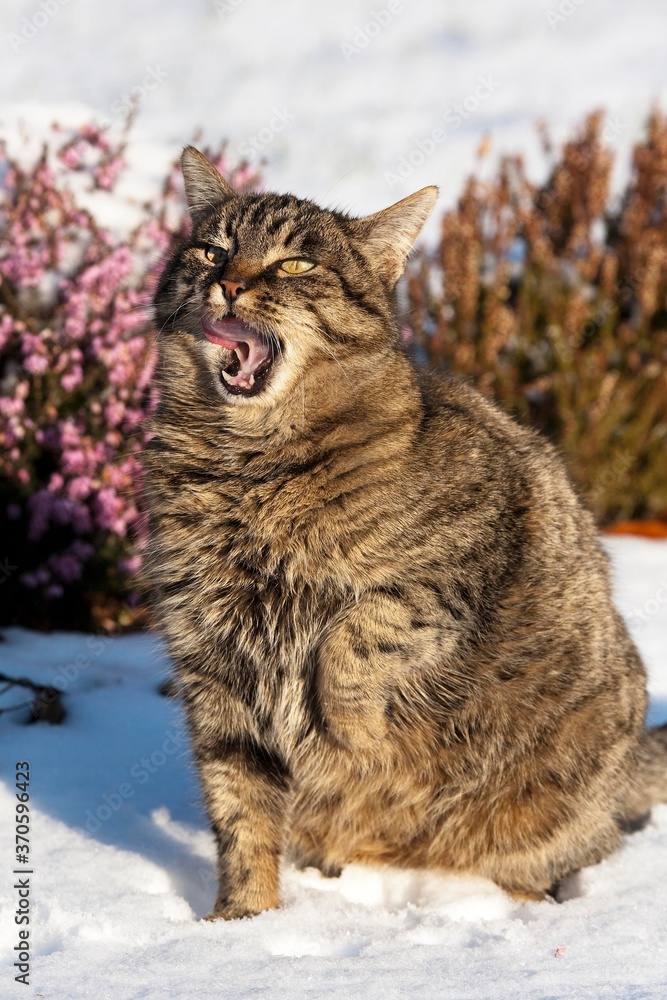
[323,345]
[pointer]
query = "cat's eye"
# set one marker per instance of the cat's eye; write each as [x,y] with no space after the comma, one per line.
[216,255]
[297,266]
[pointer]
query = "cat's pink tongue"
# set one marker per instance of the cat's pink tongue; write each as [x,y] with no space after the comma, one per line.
[249,346]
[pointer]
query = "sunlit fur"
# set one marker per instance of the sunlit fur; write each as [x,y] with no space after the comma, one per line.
[389,614]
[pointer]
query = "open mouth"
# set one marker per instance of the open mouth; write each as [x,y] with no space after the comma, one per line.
[245,374]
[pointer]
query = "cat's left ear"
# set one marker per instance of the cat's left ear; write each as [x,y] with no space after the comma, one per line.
[391,234]
[205,187]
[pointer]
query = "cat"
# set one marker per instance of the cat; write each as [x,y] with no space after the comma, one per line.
[389,614]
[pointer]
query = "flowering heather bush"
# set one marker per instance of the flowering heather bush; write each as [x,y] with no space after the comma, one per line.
[76,359]
[555,302]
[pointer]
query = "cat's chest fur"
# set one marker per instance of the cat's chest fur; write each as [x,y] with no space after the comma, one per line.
[257,572]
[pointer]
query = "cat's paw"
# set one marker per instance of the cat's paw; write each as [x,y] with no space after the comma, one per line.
[237,905]
[328,869]
[525,895]
[234,911]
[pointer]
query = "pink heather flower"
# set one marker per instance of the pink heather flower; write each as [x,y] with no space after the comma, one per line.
[48,437]
[116,477]
[82,550]
[79,488]
[114,413]
[40,506]
[54,591]
[74,461]
[72,156]
[15,426]
[36,364]
[74,378]
[221,163]
[245,177]
[69,434]
[9,407]
[63,510]
[130,564]
[67,567]
[75,326]
[107,507]
[31,342]
[107,174]
[119,527]
[81,519]
[95,135]
[133,418]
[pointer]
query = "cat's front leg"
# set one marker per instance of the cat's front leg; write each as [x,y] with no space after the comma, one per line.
[245,789]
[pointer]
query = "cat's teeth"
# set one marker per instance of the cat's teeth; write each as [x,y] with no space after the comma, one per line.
[251,380]
[227,377]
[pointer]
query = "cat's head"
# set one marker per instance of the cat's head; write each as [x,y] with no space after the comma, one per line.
[272,288]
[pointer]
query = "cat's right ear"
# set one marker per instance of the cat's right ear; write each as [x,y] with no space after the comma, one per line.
[205,187]
[390,234]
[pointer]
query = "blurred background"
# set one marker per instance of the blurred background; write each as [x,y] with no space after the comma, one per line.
[335,96]
[542,274]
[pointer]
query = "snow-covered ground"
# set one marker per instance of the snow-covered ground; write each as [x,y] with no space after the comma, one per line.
[124,864]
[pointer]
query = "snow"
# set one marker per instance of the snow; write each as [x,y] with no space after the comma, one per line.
[124,862]
[334,98]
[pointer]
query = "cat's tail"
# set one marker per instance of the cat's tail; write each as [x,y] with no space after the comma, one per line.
[651,786]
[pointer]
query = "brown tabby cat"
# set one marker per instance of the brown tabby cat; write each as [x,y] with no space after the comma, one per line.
[389,614]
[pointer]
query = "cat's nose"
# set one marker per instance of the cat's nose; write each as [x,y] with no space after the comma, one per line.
[231,289]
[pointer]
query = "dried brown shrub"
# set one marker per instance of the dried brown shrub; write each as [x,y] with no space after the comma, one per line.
[553,300]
